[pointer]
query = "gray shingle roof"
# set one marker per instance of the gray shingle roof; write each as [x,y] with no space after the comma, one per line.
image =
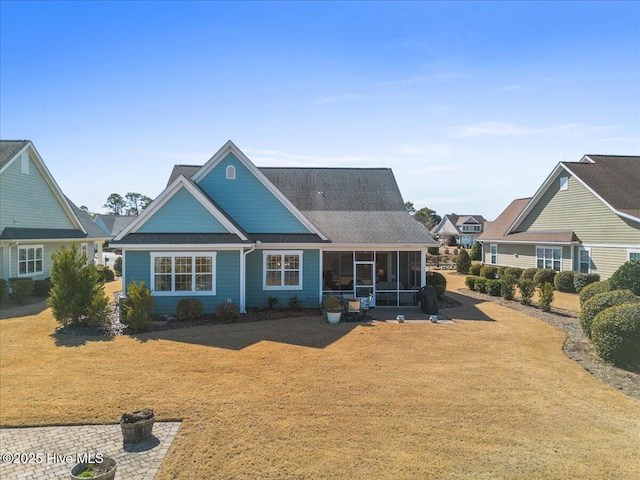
[92,229]
[9,149]
[19,233]
[116,223]
[178,238]
[615,178]
[348,205]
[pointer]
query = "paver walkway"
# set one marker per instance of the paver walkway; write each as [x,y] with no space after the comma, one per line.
[51,452]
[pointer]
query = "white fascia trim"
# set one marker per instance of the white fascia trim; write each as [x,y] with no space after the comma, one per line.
[536,197]
[595,194]
[183,248]
[530,242]
[166,195]
[230,147]
[50,181]
[611,245]
[30,241]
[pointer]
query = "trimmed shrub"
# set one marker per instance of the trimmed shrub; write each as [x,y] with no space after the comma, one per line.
[138,307]
[117,266]
[470,282]
[481,284]
[188,309]
[488,271]
[563,282]
[601,302]
[41,288]
[451,241]
[463,262]
[529,273]
[475,269]
[295,303]
[501,271]
[616,334]
[527,288]
[476,251]
[545,296]
[106,274]
[508,287]
[581,280]
[494,287]
[513,271]
[272,301]
[438,281]
[627,277]
[3,288]
[545,275]
[227,312]
[21,288]
[593,289]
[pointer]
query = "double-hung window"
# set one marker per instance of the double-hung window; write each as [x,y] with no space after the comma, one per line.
[282,269]
[30,260]
[549,257]
[494,254]
[173,273]
[634,254]
[584,260]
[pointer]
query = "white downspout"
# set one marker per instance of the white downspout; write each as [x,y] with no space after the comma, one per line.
[243,277]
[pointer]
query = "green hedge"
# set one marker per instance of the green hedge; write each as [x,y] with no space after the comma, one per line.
[616,334]
[513,271]
[627,277]
[488,271]
[592,290]
[563,282]
[581,280]
[438,281]
[529,273]
[601,302]
[544,275]
[475,269]
[527,288]
[21,288]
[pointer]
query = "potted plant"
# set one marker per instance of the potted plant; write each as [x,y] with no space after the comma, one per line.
[333,307]
[105,470]
[136,426]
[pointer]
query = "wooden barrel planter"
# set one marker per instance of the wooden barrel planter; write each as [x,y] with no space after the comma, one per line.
[137,426]
[105,470]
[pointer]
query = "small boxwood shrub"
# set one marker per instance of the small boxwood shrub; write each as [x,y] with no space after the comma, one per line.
[600,302]
[508,287]
[616,334]
[627,277]
[41,288]
[581,280]
[470,282]
[513,271]
[488,271]
[563,281]
[227,312]
[545,296]
[544,275]
[501,271]
[106,274]
[529,273]
[188,309]
[3,288]
[527,288]
[463,262]
[593,289]
[475,269]
[481,284]
[21,288]
[438,281]
[295,303]
[117,266]
[493,287]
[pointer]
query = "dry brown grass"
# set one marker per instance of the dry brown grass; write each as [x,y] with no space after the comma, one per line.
[299,398]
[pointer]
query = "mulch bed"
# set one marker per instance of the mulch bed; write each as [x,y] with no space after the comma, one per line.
[577,346]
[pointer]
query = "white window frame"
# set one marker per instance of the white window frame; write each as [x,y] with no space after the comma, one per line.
[544,258]
[33,261]
[282,253]
[230,172]
[630,251]
[564,183]
[580,262]
[493,257]
[173,291]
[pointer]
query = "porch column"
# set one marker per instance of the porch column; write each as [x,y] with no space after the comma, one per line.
[423,268]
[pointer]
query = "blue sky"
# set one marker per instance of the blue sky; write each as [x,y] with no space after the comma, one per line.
[471,103]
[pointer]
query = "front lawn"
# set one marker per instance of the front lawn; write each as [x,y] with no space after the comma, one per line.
[489,396]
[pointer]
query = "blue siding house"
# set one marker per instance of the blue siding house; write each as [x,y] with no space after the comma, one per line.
[230,231]
[36,218]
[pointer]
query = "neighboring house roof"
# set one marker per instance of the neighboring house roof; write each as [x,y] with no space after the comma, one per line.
[496,231]
[344,205]
[457,221]
[114,223]
[10,151]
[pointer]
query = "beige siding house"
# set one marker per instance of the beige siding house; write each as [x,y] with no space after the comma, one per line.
[585,217]
[465,228]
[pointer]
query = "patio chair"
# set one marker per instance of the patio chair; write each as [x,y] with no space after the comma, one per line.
[356,309]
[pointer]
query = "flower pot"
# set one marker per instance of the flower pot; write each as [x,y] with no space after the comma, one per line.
[105,470]
[333,317]
[138,431]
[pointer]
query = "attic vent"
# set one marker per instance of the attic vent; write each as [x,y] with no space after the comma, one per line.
[231,172]
[24,163]
[564,183]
